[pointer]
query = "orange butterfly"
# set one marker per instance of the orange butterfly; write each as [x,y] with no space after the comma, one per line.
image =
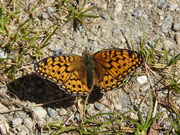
[79,74]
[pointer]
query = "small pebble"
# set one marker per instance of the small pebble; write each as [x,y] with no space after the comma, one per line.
[118,8]
[154,1]
[145,87]
[106,110]
[44,15]
[151,43]
[138,13]
[3,54]
[16,121]
[116,1]
[23,130]
[173,6]
[162,4]
[99,106]
[104,15]
[51,112]
[133,116]
[116,29]
[63,112]
[40,113]
[176,26]
[91,111]
[177,38]
[167,23]
[20,114]
[142,79]
[118,107]
[77,117]
[51,9]
[28,123]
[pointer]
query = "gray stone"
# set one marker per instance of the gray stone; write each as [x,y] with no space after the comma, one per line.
[44,15]
[51,112]
[22,130]
[16,121]
[40,113]
[167,23]
[142,79]
[20,114]
[116,29]
[91,111]
[68,42]
[162,4]
[116,1]
[144,87]
[133,115]
[173,6]
[99,106]
[177,38]
[106,110]
[148,12]
[127,99]
[104,15]
[138,13]
[51,9]
[95,45]
[118,107]
[63,112]
[176,26]
[118,8]
[77,117]
[80,28]
[3,54]
[28,123]
[150,43]
[154,1]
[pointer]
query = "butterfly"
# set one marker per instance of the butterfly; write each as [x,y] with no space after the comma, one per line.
[76,74]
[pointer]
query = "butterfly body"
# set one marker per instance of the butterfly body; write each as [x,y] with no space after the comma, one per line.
[79,74]
[90,74]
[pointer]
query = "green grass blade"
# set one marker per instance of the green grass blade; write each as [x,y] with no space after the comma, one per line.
[140,115]
[174,60]
[84,3]
[45,43]
[149,111]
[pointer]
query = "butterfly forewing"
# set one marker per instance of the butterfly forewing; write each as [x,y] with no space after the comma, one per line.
[112,65]
[64,71]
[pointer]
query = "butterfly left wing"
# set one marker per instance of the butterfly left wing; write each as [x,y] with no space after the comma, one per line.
[113,65]
[66,71]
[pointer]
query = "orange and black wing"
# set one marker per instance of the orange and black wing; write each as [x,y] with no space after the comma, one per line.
[64,71]
[113,65]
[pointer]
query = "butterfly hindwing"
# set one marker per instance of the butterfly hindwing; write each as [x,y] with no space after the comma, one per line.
[75,85]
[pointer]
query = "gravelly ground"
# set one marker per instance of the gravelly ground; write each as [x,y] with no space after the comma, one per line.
[118,26]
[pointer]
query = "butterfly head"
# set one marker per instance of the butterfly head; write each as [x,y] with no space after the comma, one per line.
[87,58]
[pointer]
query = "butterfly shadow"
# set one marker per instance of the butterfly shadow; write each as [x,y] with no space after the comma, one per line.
[94,96]
[35,89]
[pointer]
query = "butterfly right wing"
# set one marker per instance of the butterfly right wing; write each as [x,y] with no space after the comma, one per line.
[64,70]
[113,65]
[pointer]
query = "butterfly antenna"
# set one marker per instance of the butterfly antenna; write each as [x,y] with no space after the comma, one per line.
[126,41]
